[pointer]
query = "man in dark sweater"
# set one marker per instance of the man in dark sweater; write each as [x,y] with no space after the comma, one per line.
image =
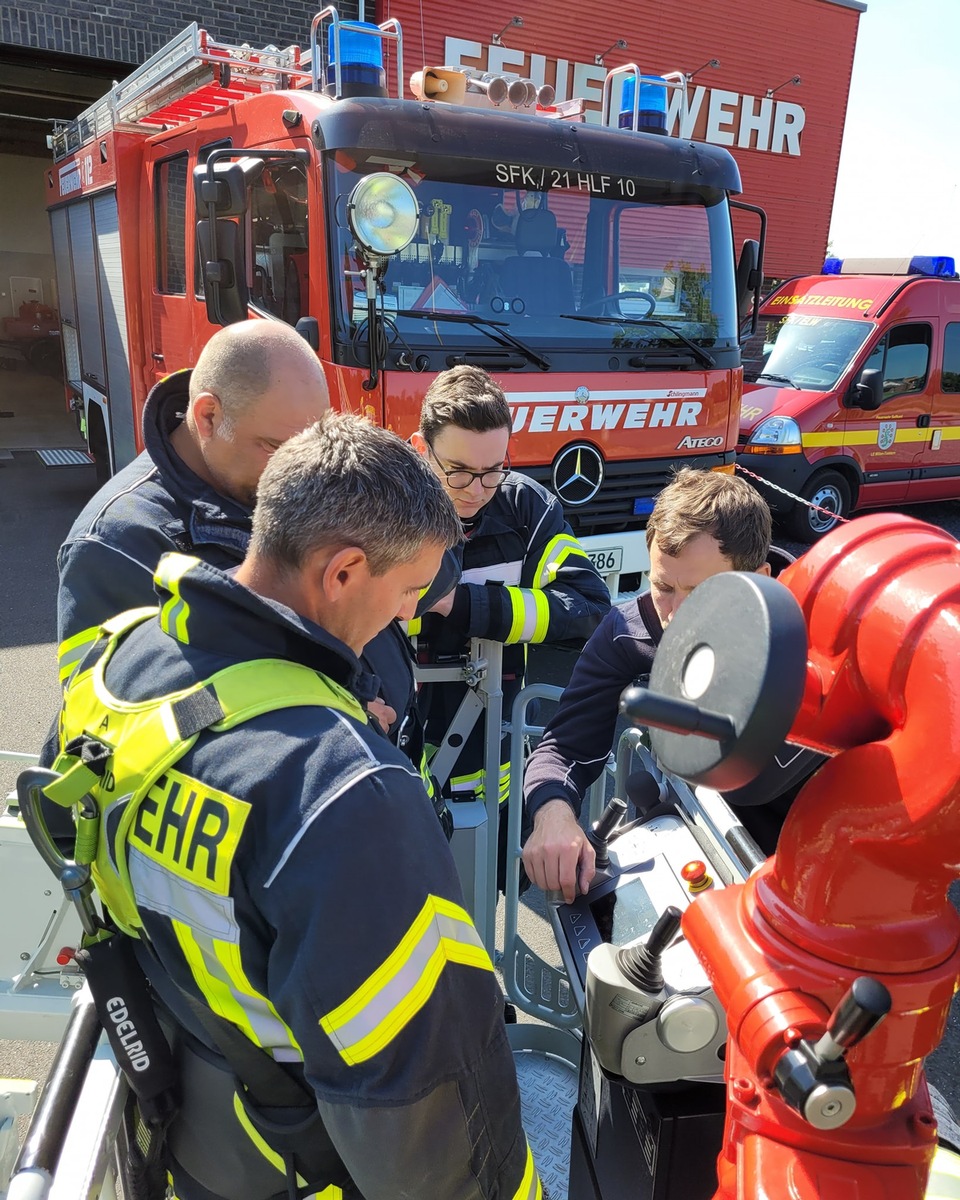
[703,523]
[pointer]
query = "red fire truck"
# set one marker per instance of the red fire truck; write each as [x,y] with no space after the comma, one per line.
[853,393]
[590,268]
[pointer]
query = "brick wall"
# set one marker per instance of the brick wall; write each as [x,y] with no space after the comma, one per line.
[131,30]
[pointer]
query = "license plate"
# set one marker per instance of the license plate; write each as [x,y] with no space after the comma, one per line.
[607,561]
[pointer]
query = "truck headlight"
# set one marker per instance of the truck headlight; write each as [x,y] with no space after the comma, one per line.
[383,213]
[776,435]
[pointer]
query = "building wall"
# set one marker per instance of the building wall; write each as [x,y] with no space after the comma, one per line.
[131,30]
[24,229]
[788,154]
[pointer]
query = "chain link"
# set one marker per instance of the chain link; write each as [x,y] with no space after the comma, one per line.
[793,496]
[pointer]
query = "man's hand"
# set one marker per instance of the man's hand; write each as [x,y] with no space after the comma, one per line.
[383,713]
[444,604]
[558,854]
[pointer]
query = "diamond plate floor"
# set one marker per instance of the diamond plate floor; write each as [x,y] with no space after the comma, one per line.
[548,1092]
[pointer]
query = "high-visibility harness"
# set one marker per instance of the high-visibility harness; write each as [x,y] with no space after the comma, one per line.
[112,753]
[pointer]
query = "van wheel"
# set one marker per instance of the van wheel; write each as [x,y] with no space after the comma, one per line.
[830,492]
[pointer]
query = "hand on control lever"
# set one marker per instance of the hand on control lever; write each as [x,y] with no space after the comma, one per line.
[558,855]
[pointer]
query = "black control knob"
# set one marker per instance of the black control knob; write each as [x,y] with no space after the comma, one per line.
[641,964]
[813,1079]
[604,829]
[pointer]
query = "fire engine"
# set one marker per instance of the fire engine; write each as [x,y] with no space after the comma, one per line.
[853,398]
[591,268]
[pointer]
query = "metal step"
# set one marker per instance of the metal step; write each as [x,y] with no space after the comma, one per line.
[62,457]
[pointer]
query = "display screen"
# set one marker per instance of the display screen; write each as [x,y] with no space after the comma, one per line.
[624,914]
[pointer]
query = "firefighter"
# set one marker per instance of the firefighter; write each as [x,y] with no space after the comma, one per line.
[208,434]
[702,523]
[281,863]
[526,579]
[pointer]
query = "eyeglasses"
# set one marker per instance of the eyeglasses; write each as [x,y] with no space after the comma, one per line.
[460,478]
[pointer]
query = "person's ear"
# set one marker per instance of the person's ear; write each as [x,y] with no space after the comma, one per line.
[344,573]
[207,413]
[763,570]
[419,443]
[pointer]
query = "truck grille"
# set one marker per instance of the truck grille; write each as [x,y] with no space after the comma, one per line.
[623,484]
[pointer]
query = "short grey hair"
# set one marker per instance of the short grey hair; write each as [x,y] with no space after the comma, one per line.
[345,482]
[238,364]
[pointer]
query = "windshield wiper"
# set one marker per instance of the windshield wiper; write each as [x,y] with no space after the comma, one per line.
[496,330]
[707,359]
[779,379]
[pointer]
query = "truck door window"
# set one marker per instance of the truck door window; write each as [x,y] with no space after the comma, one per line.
[278,222]
[950,379]
[170,208]
[664,255]
[907,359]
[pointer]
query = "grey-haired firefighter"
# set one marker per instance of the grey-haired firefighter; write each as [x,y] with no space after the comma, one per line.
[292,897]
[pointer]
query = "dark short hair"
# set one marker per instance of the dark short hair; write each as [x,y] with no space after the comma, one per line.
[467,397]
[724,507]
[345,482]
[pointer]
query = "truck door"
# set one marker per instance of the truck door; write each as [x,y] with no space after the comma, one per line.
[171,304]
[888,442]
[939,476]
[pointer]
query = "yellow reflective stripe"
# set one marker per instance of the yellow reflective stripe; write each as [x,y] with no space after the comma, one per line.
[217,972]
[413,626]
[71,651]
[175,610]
[474,783]
[531,615]
[530,1187]
[384,1004]
[556,553]
[868,437]
[272,1157]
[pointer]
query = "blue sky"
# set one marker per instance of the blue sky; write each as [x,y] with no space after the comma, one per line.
[898,188]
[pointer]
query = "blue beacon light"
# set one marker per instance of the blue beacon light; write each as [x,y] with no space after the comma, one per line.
[652,115]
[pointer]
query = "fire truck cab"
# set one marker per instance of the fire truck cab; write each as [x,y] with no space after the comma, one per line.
[590,268]
[852,393]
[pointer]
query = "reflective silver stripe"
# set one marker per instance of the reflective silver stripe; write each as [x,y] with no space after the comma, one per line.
[157,888]
[504,572]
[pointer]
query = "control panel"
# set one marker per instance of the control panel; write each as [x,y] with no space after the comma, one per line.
[649,1011]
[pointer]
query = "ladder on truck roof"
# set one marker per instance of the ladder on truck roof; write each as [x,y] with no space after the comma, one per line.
[193,75]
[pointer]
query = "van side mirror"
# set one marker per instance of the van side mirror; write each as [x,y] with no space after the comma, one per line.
[748,280]
[868,392]
[224,271]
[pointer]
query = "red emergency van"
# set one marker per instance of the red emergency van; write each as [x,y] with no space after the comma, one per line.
[852,391]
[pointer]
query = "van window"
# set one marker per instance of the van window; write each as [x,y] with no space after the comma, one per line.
[950,381]
[907,360]
[278,213]
[170,201]
[903,355]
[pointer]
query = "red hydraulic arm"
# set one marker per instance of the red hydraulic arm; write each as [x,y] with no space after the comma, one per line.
[858,884]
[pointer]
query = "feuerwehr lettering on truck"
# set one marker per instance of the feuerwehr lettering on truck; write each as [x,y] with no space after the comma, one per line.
[652,408]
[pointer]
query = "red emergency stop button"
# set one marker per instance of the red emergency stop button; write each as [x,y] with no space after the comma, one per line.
[65,956]
[695,876]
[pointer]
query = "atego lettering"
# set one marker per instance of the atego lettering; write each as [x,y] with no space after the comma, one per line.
[126,1034]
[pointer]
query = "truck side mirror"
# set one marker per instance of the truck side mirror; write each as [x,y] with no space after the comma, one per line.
[226,190]
[868,392]
[224,271]
[748,278]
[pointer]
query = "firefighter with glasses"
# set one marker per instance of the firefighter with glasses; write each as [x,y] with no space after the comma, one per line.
[526,580]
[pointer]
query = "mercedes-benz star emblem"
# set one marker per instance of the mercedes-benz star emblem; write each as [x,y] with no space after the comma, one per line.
[578,474]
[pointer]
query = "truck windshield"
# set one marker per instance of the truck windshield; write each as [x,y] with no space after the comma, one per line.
[805,352]
[525,249]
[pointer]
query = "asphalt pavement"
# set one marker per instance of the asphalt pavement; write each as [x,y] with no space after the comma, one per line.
[37,507]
